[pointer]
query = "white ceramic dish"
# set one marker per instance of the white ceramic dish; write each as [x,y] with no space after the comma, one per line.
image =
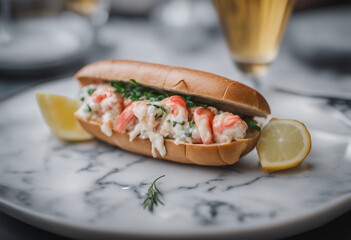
[94,191]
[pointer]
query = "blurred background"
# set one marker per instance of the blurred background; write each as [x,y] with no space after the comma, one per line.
[47,40]
[43,40]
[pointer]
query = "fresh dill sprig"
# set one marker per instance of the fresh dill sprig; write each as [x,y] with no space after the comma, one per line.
[152,198]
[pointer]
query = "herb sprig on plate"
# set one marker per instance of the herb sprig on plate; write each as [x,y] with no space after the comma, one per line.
[152,197]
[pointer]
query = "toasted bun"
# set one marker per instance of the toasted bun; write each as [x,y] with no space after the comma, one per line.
[200,154]
[218,91]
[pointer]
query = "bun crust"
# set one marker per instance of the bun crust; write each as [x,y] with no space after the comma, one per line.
[206,87]
[199,154]
[218,91]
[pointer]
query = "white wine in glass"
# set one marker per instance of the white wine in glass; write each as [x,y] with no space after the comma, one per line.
[83,7]
[253,30]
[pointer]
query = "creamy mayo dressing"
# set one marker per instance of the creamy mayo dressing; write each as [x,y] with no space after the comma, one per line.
[106,126]
[195,135]
[105,110]
[84,112]
[145,112]
[153,120]
[175,126]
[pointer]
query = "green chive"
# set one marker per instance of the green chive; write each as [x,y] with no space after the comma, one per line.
[89,109]
[252,123]
[202,105]
[134,82]
[91,91]
[157,106]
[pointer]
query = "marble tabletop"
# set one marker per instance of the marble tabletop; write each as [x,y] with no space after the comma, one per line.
[126,46]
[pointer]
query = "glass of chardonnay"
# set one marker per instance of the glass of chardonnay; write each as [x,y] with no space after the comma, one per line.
[253,30]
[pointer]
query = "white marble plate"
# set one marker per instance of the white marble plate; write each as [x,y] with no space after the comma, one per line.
[92,190]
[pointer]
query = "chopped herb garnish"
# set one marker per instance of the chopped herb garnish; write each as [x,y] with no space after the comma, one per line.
[166,137]
[91,91]
[252,123]
[202,105]
[189,101]
[157,106]
[189,133]
[152,198]
[174,123]
[136,92]
[134,82]
[82,99]
[89,108]
[160,107]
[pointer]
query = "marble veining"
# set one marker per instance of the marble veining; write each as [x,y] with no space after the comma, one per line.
[98,186]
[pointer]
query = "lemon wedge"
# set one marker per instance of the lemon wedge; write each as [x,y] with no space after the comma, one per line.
[58,113]
[283,144]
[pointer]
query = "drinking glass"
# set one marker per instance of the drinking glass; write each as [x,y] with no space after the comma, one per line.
[5,34]
[96,10]
[253,30]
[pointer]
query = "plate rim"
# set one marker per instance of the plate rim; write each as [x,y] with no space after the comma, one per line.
[283,229]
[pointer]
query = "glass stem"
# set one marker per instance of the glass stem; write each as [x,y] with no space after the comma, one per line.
[5,33]
[252,81]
